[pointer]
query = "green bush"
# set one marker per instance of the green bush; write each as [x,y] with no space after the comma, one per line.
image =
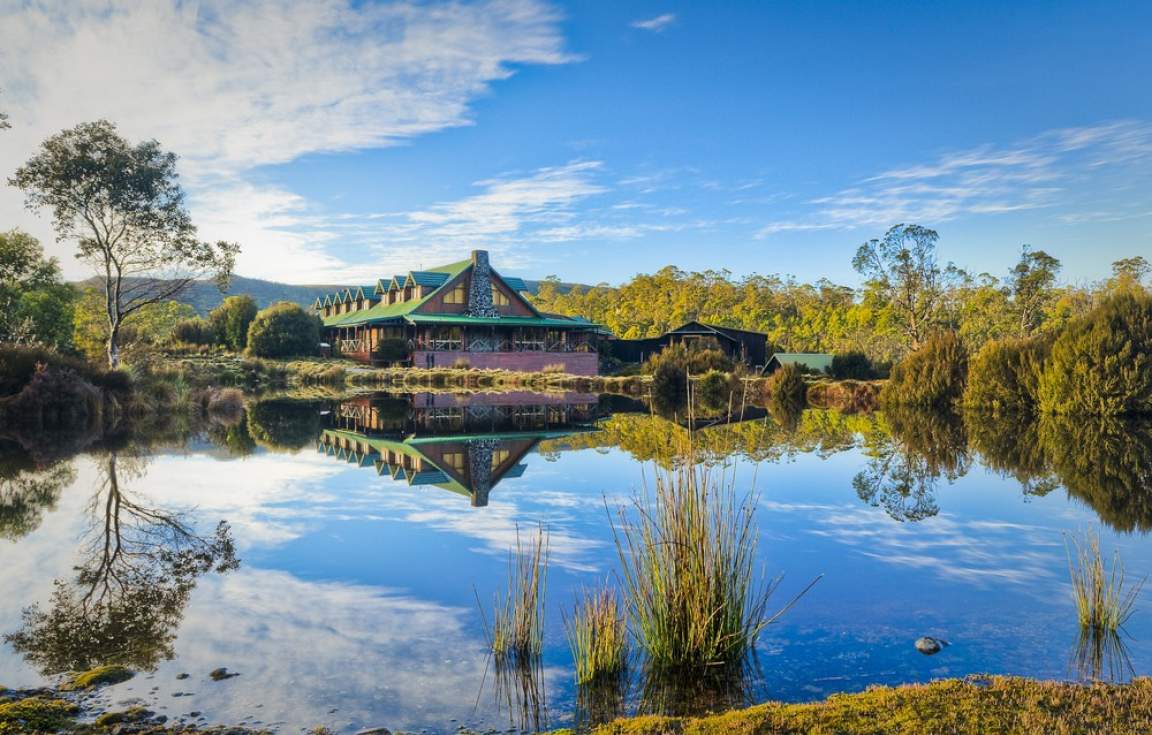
[231,319]
[787,393]
[194,332]
[853,366]
[1101,364]
[932,376]
[392,349]
[717,392]
[18,365]
[1004,377]
[283,330]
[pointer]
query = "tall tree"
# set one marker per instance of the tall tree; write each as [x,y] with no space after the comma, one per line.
[1032,284]
[1128,273]
[123,205]
[231,319]
[902,268]
[35,303]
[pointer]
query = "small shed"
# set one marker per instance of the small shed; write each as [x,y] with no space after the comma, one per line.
[814,362]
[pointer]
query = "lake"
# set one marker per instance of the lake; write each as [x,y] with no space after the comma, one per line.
[342,556]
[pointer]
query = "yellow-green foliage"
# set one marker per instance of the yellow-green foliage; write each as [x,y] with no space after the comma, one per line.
[1004,376]
[991,706]
[1101,364]
[716,393]
[597,635]
[36,715]
[99,676]
[932,376]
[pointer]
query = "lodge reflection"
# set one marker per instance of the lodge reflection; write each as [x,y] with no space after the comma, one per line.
[137,568]
[463,444]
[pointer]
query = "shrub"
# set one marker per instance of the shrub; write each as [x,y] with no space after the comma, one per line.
[1005,375]
[230,321]
[853,366]
[57,397]
[283,330]
[462,363]
[716,392]
[555,368]
[671,367]
[18,364]
[787,391]
[932,376]
[194,332]
[1101,364]
[392,349]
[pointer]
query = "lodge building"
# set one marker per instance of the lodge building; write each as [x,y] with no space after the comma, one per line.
[459,314]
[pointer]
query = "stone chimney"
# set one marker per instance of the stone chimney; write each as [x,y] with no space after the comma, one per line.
[480,291]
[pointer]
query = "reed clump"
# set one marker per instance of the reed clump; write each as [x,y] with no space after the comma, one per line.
[1104,598]
[598,635]
[688,558]
[517,629]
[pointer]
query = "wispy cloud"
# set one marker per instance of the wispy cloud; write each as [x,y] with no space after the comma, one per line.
[232,86]
[1058,169]
[656,24]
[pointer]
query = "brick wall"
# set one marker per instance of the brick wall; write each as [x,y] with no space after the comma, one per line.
[575,363]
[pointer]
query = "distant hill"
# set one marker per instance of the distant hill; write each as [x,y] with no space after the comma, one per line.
[203,296]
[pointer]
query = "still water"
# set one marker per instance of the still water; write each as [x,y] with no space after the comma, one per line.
[336,554]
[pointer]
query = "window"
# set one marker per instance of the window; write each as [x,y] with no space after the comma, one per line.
[499,456]
[455,460]
[456,295]
[499,298]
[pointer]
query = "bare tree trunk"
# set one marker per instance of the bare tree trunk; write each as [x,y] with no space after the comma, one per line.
[114,346]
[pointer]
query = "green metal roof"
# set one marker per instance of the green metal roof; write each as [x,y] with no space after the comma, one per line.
[389,312]
[505,321]
[811,360]
[516,284]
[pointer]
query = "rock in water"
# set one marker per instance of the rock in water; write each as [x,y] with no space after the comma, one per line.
[929,645]
[221,674]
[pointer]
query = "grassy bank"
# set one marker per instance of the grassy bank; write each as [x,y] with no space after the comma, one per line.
[978,706]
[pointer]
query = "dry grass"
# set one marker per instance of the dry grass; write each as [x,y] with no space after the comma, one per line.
[517,629]
[1104,599]
[597,635]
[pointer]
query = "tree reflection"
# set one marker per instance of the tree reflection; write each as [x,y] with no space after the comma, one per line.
[907,464]
[27,491]
[138,567]
[1106,463]
[284,424]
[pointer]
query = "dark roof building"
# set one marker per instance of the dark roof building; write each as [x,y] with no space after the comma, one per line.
[740,345]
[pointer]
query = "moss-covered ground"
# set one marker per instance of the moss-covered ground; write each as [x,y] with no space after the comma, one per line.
[979,706]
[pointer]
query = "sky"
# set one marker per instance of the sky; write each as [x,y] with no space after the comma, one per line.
[339,141]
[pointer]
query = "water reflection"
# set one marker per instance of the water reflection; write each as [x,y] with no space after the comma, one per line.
[28,490]
[463,445]
[138,566]
[362,600]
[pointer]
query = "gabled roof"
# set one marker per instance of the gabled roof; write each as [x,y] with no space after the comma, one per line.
[433,279]
[729,332]
[383,312]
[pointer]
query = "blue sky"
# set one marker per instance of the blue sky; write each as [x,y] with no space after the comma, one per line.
[339,141]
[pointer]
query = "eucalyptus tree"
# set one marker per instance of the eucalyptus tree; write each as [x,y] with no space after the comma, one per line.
[1031,283]
[902,268]
[123,206]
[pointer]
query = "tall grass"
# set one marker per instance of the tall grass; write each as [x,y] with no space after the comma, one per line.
[1104,599]
[597,635]
[517,629]
[688,559]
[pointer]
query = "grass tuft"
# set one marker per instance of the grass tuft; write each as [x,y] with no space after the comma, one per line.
[597,635]
[1104,599]
[688,554]
[517,630]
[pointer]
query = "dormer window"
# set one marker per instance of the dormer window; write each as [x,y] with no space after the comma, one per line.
[457,295]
